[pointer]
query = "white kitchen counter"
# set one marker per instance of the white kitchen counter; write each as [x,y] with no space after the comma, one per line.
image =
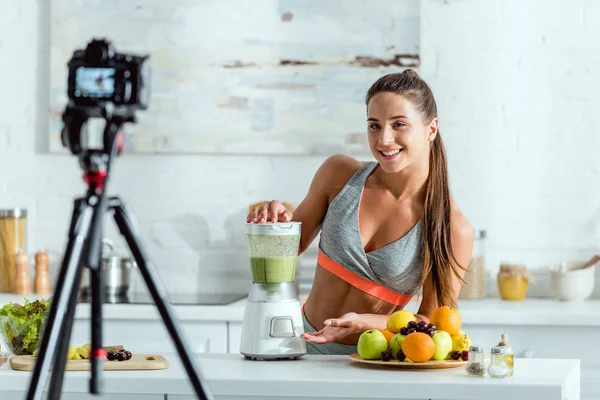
[535,312]
[230,376]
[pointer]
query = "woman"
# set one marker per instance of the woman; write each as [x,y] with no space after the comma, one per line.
[388,227]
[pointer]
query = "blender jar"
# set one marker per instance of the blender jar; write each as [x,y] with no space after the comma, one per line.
[273,251]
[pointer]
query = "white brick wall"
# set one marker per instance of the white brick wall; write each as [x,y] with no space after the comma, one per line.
[518,100]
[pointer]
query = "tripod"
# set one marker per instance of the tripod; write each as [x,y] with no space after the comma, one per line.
[84,251]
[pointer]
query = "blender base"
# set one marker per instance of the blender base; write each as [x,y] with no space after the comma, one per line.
[271,331]
[255,357]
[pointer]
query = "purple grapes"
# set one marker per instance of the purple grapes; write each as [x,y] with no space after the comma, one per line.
[465,355]
[400,355]
[404,331]
[386,355]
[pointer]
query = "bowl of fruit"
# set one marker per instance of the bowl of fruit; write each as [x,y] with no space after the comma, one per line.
[406,342]
[21,326]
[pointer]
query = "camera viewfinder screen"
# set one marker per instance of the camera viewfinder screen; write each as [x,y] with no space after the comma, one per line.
[95,82]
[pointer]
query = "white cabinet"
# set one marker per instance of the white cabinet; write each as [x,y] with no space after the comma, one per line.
[234,337]
[151,336]
[87,396]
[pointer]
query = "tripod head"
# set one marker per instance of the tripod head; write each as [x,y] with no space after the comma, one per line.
[95,162]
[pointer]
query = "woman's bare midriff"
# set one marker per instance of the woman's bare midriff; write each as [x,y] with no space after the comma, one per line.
[332,297]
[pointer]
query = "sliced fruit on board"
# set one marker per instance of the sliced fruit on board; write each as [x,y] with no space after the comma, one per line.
[137,362]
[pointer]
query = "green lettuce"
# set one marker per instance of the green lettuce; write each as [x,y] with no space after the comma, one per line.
[21,326]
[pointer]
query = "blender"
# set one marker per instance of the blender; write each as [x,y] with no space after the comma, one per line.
[272,322]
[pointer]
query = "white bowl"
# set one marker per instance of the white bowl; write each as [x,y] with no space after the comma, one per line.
[569,283]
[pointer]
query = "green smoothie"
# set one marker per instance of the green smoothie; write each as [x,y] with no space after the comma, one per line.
[273,269]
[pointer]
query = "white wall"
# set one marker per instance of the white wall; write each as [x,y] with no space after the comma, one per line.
[517,98]
[517,87]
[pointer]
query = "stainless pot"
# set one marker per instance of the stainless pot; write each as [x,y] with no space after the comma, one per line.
[117,273]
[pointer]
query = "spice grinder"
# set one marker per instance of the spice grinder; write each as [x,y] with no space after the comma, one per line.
[272,322]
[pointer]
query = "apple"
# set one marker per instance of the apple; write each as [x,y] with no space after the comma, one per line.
[371,343]
[396,344]
[443,345]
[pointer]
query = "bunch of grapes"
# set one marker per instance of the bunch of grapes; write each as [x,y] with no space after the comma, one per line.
[455,355]
[387,355]
[121,355]
[421,326]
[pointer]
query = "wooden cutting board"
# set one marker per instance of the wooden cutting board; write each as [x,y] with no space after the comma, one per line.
[137,362]
[410,365]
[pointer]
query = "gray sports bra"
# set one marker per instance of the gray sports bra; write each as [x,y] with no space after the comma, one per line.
[394,268]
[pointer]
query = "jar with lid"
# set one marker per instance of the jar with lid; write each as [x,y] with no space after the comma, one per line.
[12,241]
[497,367]
[475,366]
[513,280]
[474,277]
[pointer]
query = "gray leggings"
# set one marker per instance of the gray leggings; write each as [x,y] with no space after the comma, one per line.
[331,348]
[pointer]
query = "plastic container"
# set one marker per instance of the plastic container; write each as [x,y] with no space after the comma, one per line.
[13,239]
[273,251]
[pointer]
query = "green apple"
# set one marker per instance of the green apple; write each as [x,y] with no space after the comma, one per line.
[371,343]
[396,344]
[443,345]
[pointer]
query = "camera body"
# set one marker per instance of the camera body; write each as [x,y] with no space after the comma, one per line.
[106,85]
[99,75]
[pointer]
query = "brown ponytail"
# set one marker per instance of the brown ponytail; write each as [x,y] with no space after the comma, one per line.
[438,257]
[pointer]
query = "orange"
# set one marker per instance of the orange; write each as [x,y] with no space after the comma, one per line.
[418,346]
[388,335]
[447,319]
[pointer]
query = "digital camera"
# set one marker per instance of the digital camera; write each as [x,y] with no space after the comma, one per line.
[98,75]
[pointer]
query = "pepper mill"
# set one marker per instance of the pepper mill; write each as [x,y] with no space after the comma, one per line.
[22,282]
[41,284]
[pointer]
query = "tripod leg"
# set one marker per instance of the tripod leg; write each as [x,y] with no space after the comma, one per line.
[53,338]
[97,353]
[62,348]
[127,228]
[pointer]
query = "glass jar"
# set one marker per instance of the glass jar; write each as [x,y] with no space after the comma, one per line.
[497,367]
[475,366]
[513,280]
[12,241]
[509,354]
[474,285]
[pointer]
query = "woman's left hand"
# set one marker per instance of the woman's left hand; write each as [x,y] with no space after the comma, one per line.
[335,329]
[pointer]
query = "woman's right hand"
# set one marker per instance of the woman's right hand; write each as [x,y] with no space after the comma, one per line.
[270,211]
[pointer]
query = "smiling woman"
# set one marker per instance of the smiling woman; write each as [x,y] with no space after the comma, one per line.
[389,227]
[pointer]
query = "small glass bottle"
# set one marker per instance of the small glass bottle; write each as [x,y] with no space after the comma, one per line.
[497,367]
[475,365]
[508,353]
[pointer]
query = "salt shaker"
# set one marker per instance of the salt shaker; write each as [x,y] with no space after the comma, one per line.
[497,367]
[41,283]
[22,282]
[475,365]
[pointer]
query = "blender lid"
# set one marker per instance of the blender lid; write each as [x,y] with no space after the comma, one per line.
[276,229]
